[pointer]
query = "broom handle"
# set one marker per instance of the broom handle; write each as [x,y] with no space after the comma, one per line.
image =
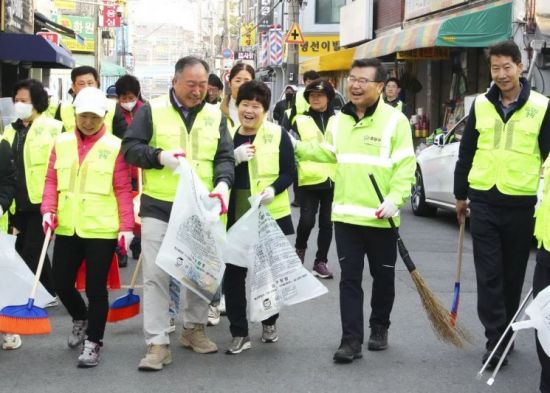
[136,270]
[41,262]
[400,245]
[459,251]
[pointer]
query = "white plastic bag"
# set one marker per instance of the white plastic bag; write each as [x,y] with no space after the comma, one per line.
[539,314]
[16,278]
[277,276]
[190,249]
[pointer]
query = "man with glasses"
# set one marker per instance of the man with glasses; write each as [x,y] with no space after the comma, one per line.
[367,136]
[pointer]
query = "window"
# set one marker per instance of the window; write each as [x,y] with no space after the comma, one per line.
[328,11]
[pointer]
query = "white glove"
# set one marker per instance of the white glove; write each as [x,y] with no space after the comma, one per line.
[221,191]
[244,153]
[49,220]
[170,158]
[1,211]
[127,236]
[387,209]
[267,196]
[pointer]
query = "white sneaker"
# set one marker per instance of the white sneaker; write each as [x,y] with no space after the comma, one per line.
[53,303]
[213,316]
[172,327]
[11,341]
[89,357]
[221,306]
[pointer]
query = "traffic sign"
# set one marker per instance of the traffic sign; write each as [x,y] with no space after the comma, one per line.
[226,76]
[227,53]
[294,35]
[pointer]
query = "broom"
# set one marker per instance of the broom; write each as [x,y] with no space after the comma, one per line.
[437,314]
[28,319]
[456,294]
[127,306]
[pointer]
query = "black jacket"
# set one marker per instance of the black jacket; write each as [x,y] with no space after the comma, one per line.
[7,176]
[279,110]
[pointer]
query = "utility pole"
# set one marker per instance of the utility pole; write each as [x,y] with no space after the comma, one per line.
[293,60]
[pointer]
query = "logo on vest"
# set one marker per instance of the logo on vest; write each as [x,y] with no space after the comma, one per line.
[531,112]
[208,121]
[104,154]
[371,140]
[268,138]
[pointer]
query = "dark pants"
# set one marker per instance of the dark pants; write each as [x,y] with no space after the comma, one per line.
[541,280]
[29,245]
[68,254]
[235,301]
[379,244]
[310,201]
[502,239]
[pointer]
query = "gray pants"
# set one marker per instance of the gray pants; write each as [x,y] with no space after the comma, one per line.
[156,294]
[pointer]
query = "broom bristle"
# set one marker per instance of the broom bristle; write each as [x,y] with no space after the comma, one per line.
[120,314]
[24,326]
[439,316]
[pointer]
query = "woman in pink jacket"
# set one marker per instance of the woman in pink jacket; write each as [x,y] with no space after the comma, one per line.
[88,201]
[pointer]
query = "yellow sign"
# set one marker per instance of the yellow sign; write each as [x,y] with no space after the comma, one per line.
[435,53]
[294,35]
[318,45]
[248,34]
[65,5]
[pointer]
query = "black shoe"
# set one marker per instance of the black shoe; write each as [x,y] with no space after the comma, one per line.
[378,340]
[348,351]
[494,360]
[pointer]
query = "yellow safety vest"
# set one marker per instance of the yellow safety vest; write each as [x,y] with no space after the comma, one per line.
[4,223]
[301,103]
[311,172]
[508,154]
[169,133]
[69,121]
[87,204]
[542,224]
[36,153]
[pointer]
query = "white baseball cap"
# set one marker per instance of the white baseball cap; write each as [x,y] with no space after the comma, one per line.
[90,99]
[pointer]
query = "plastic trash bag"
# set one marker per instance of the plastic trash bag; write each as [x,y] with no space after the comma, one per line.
[277,275]
[190,249]
[539,314]
[16,278]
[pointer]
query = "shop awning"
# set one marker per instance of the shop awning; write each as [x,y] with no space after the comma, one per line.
[110,69]
[33,49]
[476,27]
[336,61]
[41,22]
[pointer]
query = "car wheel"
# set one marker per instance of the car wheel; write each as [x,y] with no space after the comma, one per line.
[418,198]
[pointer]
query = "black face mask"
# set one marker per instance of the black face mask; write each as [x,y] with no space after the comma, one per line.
[288,96]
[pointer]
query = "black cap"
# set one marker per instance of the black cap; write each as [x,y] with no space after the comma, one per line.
[321,86]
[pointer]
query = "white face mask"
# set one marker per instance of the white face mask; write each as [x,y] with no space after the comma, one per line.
[22,110]
[129,105]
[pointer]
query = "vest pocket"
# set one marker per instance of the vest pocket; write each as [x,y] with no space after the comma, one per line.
[99,181]
[64,170]
[39,153]
[99,214]
[525,138]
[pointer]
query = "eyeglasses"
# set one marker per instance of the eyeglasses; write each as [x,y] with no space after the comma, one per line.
[360,81]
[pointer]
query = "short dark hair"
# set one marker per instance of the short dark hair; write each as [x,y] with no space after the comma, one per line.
[394,80]
[39,96]
[506,48]
[214,80]
[321,86]
[240,67]
[255,91]
[189,61]
[310,75]
[380,75]
[83,70]
[127,84]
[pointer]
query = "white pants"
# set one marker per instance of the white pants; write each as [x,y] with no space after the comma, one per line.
[156,293]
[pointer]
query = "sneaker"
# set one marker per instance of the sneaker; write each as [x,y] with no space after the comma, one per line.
[301,252]
[78,335]
[496,357]
[89,357]
[349,350]
[221,306]
[11,341]
[320,270]
[378,340]
[213,315]
[238,344]
[156,358]
[197,340]
[269,333]
[53,303]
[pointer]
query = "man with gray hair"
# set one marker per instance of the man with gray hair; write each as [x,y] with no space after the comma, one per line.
[180,122]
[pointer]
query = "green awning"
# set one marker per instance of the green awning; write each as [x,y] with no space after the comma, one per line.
[110,69]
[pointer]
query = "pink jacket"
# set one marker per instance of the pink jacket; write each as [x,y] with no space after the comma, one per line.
[121,182]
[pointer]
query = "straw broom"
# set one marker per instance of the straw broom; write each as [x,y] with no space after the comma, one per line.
[437,314]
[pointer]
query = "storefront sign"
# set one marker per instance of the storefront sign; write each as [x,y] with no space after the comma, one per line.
[416,8]
[65,5]
[82,25]
[265,15]
[245,55]
[18,16]
[435,53]
[49,36]
[248,34]
[318,45]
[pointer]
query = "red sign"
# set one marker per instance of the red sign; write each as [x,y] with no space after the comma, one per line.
[49,36]
[111,17]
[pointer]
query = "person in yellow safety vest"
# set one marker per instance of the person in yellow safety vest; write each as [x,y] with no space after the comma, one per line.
[264,165]
[367,136]
[391,95]
[31,138]
[315,180]
[81,77]
[506,138]
[53,103]
[88,202]
[300,103]
[239,74]
[179,122]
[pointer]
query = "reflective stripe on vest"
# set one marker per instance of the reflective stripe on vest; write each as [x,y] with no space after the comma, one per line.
[170,133]
[542,224]
[87,204]
[508,154]
[310,172]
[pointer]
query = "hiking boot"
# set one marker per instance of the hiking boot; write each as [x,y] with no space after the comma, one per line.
[78,335]
[197,340]
[301,252]
[348,351]
[89,357]
[320,270]
[213,315]
[269,333]
[378,340]
[156,358]
[11,341]
[238,344]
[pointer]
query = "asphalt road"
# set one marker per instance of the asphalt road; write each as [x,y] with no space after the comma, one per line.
[309,334]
